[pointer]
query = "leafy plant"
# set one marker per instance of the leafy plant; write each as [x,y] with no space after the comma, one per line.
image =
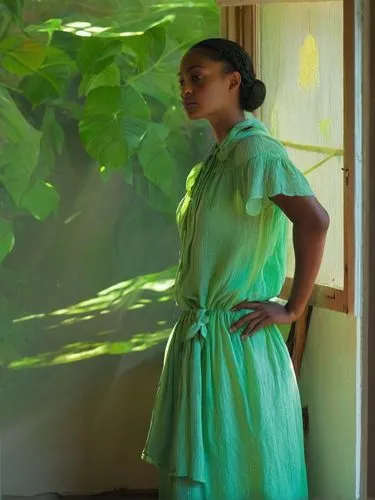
[109,73]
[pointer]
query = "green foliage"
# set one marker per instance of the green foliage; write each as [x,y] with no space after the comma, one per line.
[115,119]
[157,161]
[13,7]
[95,54]
[20,146]
[6,238]
[109,77]
[22,56]
[51,80]
[148,48]
[41,200]
[107,73]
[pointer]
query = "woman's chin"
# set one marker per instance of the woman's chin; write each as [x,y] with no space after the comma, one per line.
[194,113]
[194,117]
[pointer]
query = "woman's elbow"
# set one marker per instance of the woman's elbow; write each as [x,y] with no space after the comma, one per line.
[320,221]
[324,220]
[316,220]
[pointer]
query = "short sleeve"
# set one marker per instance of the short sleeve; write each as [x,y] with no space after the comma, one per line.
[269,175]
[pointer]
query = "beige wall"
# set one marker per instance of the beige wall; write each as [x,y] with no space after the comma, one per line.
[80,428]
[328,388]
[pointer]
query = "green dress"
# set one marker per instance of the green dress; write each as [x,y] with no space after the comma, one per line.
[227,419]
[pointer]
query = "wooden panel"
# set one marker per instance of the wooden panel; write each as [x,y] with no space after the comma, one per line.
[241,24]
[349,156]
[297,339]
[322,296]
[234,3]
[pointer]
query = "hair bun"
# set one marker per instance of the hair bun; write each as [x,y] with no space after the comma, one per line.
[257,96]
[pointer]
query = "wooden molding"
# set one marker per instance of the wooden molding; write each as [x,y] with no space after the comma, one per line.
[297,339]
[322,296]
[237,3]
[242,25]
[349,155]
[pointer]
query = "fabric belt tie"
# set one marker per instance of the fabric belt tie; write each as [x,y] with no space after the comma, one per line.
[199,325]
[202,318]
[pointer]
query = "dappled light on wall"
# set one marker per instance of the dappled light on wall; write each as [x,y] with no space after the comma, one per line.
[126,295]
[143,293]
[80,351]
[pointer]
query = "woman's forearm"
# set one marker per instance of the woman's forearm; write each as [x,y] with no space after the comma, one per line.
[308,241]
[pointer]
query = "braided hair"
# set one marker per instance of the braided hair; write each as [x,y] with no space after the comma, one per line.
[235,58]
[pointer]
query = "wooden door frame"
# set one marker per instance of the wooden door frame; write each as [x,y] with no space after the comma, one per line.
[365,12]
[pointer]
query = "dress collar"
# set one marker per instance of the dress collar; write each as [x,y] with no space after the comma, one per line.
[250,126]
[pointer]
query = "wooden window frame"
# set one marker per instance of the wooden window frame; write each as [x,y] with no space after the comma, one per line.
[240,21]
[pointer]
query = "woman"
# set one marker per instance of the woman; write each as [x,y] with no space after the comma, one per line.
[227,419]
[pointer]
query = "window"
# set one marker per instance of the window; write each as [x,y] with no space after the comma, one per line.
[304,53]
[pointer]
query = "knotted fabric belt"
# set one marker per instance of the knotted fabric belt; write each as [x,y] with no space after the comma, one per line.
[202,318]
[199,326]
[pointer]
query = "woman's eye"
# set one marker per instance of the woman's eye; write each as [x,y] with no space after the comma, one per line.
[196,78]
[180,82]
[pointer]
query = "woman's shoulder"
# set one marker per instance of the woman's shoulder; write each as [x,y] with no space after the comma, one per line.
[256,148]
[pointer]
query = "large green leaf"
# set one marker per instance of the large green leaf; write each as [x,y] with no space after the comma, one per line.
[52,79]
[175,118]
[41,200]
[67,42]
[133,24]
[163,73]
[20,147]
[22,56]
[17,167]
[114,120]
[164,85]
[156,160]
[6,238]
[109,77]
[147,48]
[96,54]
[196,22]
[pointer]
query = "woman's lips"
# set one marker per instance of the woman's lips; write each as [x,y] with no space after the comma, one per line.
[190,105]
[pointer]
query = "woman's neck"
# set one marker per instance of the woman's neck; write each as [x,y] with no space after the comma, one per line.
[223,123]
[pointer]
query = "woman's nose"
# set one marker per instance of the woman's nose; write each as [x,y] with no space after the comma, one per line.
[186,90]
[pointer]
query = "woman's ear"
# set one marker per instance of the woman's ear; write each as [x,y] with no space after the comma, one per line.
[235,80]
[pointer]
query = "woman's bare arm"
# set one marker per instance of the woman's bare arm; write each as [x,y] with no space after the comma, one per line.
[310,225]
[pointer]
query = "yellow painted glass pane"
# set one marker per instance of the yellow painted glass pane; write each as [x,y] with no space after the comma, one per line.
[302,66]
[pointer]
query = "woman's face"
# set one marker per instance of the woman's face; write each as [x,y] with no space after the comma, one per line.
[206,90]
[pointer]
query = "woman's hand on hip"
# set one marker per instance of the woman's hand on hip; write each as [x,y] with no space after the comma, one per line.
[262,314]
